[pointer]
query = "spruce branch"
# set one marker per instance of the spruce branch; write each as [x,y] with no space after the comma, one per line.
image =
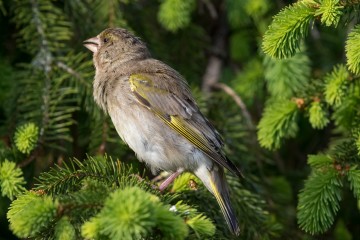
[197,222]
[64,230]
[278,122]
[137,216]
[318,115]
[73,72]
[284,35]
[30,214]
[319,200]
[286,77]
[175,14]
[62,179]
[11,179]
[320,161]
[26,137]
[352,50]
[336,85]
[237,99]
[330,12]
[354,179]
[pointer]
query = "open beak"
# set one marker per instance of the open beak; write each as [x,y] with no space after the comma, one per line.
[92,44]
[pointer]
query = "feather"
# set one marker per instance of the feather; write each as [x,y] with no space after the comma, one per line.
[171,101]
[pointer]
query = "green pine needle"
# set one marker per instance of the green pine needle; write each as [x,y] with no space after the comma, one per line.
[318,116]
[11,179]
[284,77]
[256,8]
[181,183]
[26,137]
[354,179]
[175,14]
[330,11]
[202,226]
[278,122]
[357,142]
[287,30]
[171,225]
[30,214]
[132,213]
[60,180]
[319,201]
[335,88]
[64,230]
[344,115]
[236,12]
[43,28]
[320,161]
[353,50]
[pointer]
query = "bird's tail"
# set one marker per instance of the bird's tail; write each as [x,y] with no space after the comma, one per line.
[216,183]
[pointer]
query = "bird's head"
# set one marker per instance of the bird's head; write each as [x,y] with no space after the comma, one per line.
[116,44]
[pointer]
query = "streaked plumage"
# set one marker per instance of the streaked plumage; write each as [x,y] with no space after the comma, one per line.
[154,112]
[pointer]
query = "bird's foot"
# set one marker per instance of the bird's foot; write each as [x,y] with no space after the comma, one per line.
[169,180]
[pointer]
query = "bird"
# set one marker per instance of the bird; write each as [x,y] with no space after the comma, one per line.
[155,113]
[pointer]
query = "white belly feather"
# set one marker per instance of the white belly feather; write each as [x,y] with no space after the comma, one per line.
[153,141]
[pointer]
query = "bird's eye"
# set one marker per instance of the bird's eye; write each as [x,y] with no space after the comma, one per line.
[106,40]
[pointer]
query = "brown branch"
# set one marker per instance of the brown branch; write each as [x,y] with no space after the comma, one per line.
[238,102]
[31,158]
[211,8]
[215,64]
[72,72]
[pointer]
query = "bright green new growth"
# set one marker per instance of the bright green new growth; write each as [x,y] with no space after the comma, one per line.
[11,179]
[132,213]
[330,12]
[197,222]
[318,116]
[319,200]
[352,50]
[285,33]
[319,161]
[336,85]
[30,213]
[277,123]
[181,183]
[64,230]
[26,137]
[201,225]
[175,14]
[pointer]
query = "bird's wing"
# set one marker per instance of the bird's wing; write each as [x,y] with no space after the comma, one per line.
[168,96]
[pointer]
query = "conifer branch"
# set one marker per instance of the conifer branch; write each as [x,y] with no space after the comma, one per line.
[237,99]
[73,72]
[215,62]
[285,33]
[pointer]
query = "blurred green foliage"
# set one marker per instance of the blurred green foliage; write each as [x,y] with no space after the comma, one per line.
[287,107]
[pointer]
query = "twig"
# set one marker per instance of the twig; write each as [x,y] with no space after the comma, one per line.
[211,8]
[72,72]
[214,66]
[238,102]
[31,158]
[102,147]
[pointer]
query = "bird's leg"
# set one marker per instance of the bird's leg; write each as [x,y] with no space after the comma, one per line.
[169,180]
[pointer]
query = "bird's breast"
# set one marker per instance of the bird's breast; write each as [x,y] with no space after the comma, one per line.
[153,141]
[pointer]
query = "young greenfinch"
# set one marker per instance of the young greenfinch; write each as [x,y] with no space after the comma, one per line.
[154,112]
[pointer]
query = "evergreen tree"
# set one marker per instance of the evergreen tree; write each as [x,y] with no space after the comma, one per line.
[283,92]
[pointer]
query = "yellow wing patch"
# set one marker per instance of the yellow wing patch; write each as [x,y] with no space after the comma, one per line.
[139,81]
[161,102]
[186,130]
